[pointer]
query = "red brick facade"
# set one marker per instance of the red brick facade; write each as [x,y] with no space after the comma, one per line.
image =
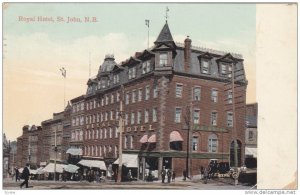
[168,90]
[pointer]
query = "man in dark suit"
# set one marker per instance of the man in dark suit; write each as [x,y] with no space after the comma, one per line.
[25,175]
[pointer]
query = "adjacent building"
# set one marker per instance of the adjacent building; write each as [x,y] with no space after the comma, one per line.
[29,146]
[6,157]
[251,135]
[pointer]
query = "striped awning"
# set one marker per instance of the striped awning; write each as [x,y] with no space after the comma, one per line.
[152,138]
[175,136]
[144,139]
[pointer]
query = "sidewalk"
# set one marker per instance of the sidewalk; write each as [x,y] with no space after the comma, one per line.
[195,184]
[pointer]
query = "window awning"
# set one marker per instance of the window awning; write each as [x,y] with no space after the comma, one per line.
[74,151]
[71,168]
[251,151]
[40,170]
[93,163]
[175,136]
[144,139]
[152,138]
[31,171]
[129,160]
[50,168]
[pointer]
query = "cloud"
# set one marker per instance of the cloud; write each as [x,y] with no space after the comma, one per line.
[31,71]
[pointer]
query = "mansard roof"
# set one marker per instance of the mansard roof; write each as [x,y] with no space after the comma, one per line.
[228,58]
[146,53]
[108,64]
[117,67]
[205,55]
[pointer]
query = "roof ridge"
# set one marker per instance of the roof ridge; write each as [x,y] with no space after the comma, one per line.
[204,49]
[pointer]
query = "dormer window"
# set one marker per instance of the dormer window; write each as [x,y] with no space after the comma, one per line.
[205,66]
[146,67]
[223,69]
[99,84]
[116,79]
[132,73]
[103,83]
[163,59]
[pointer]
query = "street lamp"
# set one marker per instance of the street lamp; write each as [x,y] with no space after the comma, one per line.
[236,172]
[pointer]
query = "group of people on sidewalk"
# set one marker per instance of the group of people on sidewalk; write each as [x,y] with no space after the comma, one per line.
[169,175]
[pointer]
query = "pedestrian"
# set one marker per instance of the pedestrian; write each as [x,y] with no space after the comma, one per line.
[163,174]
[25,175]
[102,177]
[173,176]
[17,174]
[205,173]
[184,175]
[97,176]
[64,175]
[169,174]
[129,175]
[116,175]
[201,172]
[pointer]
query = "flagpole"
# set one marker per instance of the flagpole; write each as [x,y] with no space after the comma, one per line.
[147,24]
[64,92]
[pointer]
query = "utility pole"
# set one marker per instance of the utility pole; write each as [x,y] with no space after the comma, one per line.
[121,129]
[188,137]
[55,150]
[233,117]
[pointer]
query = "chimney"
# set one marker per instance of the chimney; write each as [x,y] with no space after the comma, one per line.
[187,53]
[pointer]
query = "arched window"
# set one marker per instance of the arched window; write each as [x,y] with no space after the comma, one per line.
[213,143]
[100,150]
[239,154]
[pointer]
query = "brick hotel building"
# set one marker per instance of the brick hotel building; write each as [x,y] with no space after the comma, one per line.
[172,93]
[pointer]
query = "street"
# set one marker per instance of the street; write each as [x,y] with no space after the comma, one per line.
[215,184]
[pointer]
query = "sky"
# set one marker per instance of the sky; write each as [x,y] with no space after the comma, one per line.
[34,51]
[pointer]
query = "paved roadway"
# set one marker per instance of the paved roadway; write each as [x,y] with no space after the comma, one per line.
[218,184]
